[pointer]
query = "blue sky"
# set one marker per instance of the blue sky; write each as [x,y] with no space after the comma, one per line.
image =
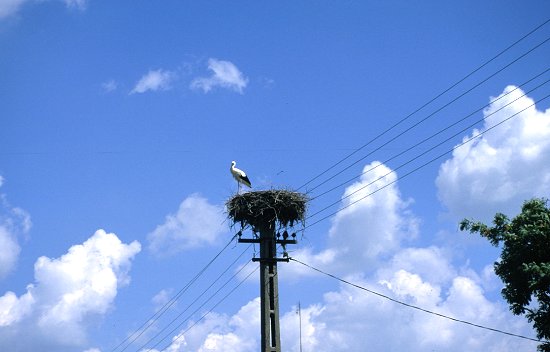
[118,123]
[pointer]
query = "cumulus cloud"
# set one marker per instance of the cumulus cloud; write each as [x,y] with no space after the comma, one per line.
[109,86]
[370,229]
[362,224]
[323,259]
[196,223]
[499,170]
[221,332]
[161,299]
[432,263]
[154,80]
[14,223]
[11,7]
[9,251]
[369,245]
[349,319]
[67,292]
[224,75]
[77,4]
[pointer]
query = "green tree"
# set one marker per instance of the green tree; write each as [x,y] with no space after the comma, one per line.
[524,265]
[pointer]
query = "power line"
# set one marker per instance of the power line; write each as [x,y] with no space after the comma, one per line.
[349,283]
[209,311]
[425,104]
[150,321]
[413,306]
[172,301]
[414,170]
[416,124]
[445,129]
[196,299]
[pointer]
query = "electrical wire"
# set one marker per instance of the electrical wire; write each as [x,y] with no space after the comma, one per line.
[416,124]
[445,129]
[150,321]
[209,311]
[413,306]
[196,299]
[214,307]
[347,282]
[424,105]
[412,171]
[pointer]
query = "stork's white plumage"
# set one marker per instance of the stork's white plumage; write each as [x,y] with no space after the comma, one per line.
[240,176]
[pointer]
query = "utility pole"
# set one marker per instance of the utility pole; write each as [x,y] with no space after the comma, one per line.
[267,213]
[269,286]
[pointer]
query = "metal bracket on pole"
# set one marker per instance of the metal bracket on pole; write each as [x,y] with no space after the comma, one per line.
[259,240]
[270,260]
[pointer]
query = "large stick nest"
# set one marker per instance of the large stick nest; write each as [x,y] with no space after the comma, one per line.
[267,208]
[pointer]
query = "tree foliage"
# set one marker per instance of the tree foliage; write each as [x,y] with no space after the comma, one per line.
[524,266]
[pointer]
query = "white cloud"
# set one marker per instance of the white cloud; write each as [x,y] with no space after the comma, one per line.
[13,309]
[366,231]
[14,223]
[292,322]
[237,333]
[224,74]
[11,7]
[220,332]
[499,170]
[348,319]
[372,228]
[9,251]
[68,291]
[154,80]
[109,86]
[351,319]
[162,298]
[323,259]
[77,4]
[432,263]
[196,223]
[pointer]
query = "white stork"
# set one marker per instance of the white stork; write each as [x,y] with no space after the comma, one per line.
[240,176]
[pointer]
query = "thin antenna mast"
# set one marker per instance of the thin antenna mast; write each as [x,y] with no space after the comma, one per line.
[300,318]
